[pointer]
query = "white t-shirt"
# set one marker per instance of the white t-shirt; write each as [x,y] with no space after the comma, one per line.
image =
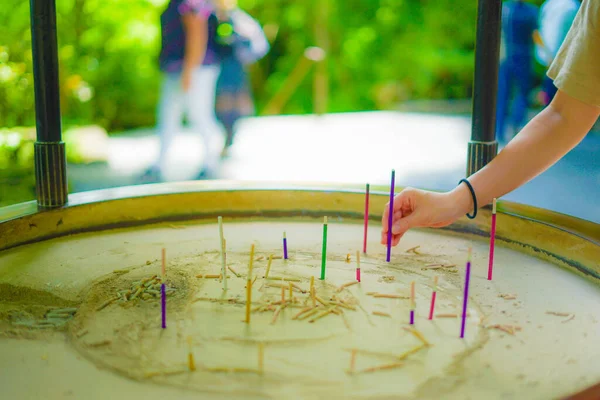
[556,18]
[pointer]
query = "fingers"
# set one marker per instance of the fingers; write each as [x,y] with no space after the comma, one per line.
[401,225]
[385,224]
[395,239]
[385,216]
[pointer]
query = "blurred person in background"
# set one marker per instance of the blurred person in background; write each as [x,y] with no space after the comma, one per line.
[190,68]
[519,22]
[556,18]
[240,41]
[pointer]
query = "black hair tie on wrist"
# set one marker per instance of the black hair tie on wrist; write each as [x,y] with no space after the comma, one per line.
[474,197]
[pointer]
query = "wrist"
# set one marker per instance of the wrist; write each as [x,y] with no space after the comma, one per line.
[462,199]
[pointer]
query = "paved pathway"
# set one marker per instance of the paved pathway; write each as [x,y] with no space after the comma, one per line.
[427,151]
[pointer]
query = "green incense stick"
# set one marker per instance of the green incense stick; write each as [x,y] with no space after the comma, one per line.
[324,256]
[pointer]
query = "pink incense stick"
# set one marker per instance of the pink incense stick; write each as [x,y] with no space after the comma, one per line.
[366,220]
[390,217]
[433,295]
[466,296]
[492,240]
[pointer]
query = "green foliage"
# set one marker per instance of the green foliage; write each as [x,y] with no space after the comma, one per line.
[107,56]
[380,52]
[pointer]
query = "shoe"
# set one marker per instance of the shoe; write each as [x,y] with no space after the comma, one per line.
[206,174]
[225,153]
[152,175]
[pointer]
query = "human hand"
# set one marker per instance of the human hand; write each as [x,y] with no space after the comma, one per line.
[186,79]
[419,208]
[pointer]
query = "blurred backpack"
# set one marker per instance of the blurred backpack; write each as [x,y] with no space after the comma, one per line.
[239,35]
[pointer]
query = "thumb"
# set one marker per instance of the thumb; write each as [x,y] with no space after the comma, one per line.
[404,224]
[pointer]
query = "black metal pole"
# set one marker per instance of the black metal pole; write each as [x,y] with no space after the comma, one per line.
[50,157]
[483,146]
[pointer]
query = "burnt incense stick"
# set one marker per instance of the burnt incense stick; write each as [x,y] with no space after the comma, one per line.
[345,285]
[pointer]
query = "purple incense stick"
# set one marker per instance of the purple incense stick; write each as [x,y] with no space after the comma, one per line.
[284,247]
[412,317]
[163,299]
[390,217]
[466,297]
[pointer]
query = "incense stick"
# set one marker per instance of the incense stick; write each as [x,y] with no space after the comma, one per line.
[366,221]
[261,357]
[163,303]
[358,265]
[285,254]
[381,314]
[345,285]
[191,363]
[390,217]
[312,291]
[492,241]
[268,266]
[164,264]
[433,295]
[352,361]
[222,248]
[466,295]
[324,252]
[249,285]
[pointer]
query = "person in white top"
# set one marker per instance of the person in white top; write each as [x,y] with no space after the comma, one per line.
[556,18]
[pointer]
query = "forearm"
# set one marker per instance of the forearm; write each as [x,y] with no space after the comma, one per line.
[195,50]
[195,42]
[547,138]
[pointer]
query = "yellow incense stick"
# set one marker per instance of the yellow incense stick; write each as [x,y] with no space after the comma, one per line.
[222,248]
[251,261]
[191,364]
[261,357]
[248,299]
[249,285]
[269,266]
[291,292]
